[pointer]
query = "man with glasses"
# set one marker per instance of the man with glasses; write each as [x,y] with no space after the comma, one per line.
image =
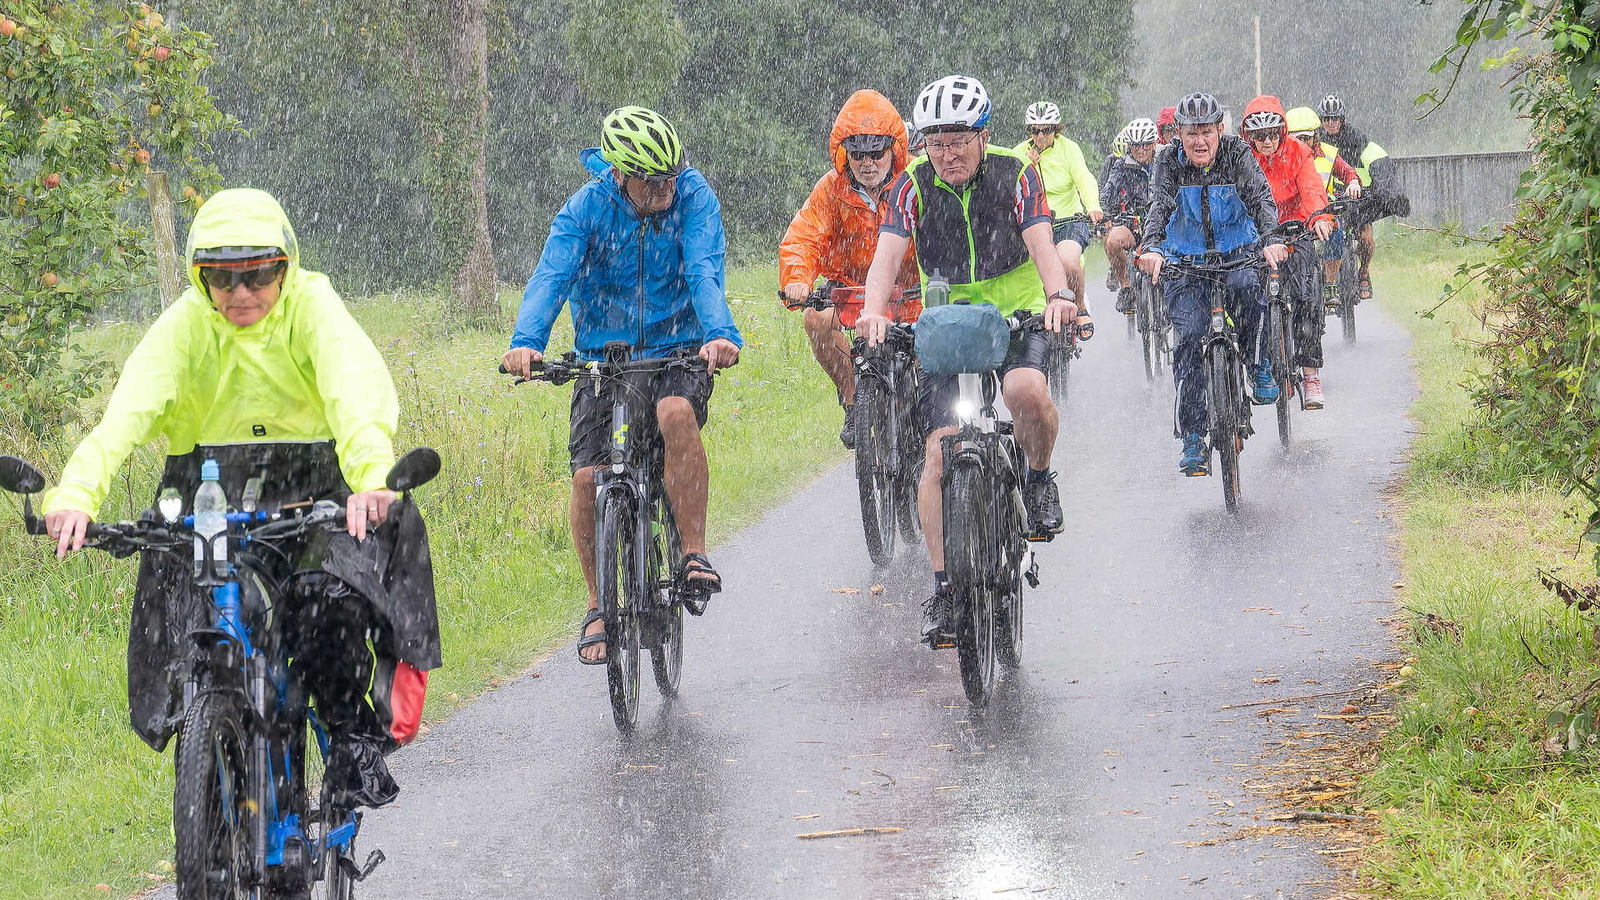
[835,232]
[259,366]
[1371,162]
[638,253]
[980,220]
[1073,194]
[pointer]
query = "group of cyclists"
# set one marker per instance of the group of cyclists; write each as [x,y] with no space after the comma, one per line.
[259,351]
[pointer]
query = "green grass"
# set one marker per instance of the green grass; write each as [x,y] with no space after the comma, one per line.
[83,802]
[1477,808]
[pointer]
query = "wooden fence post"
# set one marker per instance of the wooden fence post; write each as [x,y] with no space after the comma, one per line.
[164,229]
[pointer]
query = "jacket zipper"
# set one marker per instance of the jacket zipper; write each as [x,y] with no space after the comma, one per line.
[639,347]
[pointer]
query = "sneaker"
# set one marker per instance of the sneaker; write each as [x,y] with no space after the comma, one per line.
[938,625]
[1111,280]
[1313,388]
[1263,388]
[1125,300]
[1044,506]
[1196,460]
[1330,297]
[847,434]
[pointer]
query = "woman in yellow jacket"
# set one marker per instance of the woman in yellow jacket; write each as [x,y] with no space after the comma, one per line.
[1073,193]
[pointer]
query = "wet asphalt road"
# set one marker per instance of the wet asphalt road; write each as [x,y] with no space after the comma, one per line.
[806,709]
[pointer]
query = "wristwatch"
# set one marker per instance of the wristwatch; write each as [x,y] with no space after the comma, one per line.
[1064,296]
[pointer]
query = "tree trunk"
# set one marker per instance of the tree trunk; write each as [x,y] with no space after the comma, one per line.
[474,292]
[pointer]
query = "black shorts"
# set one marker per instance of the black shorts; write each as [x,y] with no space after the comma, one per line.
[1076,229]
[589,439]
[1028,350]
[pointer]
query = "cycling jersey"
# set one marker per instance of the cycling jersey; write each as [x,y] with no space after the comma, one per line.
[1296,189]
[1223,207]
[655,283]
[1070,186]
[972,235]
[1125,190]
[835,233]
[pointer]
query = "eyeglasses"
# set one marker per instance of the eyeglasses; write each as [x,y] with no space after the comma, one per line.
[1042,129]
[868,154]
[220,278]
[953,145]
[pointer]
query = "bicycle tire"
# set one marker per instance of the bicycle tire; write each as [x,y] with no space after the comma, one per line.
[1349,291]
[1224,388]
[617,578]
[969,544]
[666,653]
[211,806]
[1145,316]
[1060,374]
[874,471]
[912,451]
[1347,318]
[1278,353]
[1008,614]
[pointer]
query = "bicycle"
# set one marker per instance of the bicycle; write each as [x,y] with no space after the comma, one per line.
[1224,364]
[243,819]
[639,572]
[889,448]
[1282,346]
[1349,288]
[988,549]
[1149,320]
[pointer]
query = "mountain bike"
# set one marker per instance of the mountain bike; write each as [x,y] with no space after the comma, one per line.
[889,447]
[638,554]
[988,554]
[1282,341]
[248,822]
[1224,364]
[1349,270]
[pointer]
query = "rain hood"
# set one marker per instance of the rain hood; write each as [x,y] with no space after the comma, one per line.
[868,112]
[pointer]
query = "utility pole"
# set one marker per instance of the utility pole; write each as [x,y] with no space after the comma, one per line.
[1258,56]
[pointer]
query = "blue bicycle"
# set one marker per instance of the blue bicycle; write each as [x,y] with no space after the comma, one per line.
[247,825]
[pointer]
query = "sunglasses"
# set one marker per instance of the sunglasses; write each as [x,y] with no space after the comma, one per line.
[226,279]
[1042,130]
[1261,137]
[868,154]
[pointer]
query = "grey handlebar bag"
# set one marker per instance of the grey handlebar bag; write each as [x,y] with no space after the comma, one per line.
[962,338]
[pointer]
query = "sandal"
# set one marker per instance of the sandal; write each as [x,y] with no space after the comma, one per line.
[1085,327]
[697,579]
[589,640]
[1366,288]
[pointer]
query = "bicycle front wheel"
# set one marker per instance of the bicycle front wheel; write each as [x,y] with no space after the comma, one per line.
[969,553]
[874,479]
[1225,394]
[617,578]
[666,649]
[1144,313]
[211,803]
[1060,374]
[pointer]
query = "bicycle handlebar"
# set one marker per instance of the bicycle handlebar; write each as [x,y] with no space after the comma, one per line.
[569,367]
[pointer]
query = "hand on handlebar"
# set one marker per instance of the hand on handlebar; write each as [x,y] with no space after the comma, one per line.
[873,327]
[719,354]
[68,526]
[1353,190]
[1323,228]
[796,292]
[1274,254]
[519,361]
[1150,264]
[1057,313]
[368,509]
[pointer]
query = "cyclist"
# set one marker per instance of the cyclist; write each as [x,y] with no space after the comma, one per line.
[1384,198]
[260,366]
[1208,195]
[834,233]
[914,141]
[980,218]
[1337,176]
[1300,197]
[1119,149]
[1166,125]
[1074,195]
[638,252]
[1125,191]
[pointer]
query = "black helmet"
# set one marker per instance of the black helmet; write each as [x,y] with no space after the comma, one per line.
[1198,108]
[1331,107]
[867,143]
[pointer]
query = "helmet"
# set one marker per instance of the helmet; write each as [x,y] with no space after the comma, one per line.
[1262,120]
[954,100]
[227,257]
[867,143]
[914,141]
[1198,109]
[1301,118]
[1141,131]
[1119,145]
[640,143]
[1331,107]
[1044,113]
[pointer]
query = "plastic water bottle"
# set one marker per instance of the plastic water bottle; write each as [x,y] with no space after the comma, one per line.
[937,293]
[210,517]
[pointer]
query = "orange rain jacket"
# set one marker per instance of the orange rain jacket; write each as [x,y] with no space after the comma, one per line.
[835,233]
[1297,186]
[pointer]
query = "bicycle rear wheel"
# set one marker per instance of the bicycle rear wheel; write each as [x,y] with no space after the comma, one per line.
[969,548]
[912,448]
[666,647]
[874,479]
[1225,395]
[1349,291]
[211,805]
[1278,354]
[617,578]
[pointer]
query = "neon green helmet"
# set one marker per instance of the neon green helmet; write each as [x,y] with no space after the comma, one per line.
[639,142]
[1302,118]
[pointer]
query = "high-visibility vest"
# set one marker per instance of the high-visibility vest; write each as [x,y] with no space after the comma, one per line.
[1324,164]
[1371,154]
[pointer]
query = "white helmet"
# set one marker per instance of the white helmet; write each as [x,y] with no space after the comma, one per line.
[1044,113]
[952,100]
[1141,131]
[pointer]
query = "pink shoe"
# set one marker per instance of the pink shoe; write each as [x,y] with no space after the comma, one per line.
[1313,388]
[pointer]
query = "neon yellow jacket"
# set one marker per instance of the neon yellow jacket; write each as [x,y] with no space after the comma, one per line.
[305,372]
[1068,183]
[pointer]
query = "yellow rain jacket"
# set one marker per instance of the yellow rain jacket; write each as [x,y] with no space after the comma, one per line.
[305,372]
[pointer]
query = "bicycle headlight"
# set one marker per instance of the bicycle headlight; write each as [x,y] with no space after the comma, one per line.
[1218,323]
[170,505]
[965,409]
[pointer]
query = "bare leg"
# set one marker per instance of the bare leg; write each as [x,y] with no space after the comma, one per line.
[832,350]
[1032,414]
[1330,270]
[686,475]
[1072,259]
[1365,245]
[580,517]
[1118,241]
[930,498]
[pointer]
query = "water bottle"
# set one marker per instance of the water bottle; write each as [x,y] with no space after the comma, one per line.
[937,293]
[210,518]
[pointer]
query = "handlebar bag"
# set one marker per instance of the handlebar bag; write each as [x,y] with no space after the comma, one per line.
[961,338]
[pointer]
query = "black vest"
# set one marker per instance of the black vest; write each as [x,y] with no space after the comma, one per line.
[981,241]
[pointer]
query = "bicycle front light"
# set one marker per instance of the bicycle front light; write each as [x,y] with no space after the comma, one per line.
[965,409]
[1217,321]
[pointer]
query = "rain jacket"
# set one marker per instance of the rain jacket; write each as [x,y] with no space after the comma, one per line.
[1068,183]
[1222,208]
[1297,187]
[835,233]
[301,395]
[1126,186]
[655,283]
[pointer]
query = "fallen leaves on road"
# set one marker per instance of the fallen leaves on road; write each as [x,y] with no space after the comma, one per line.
[876,589]
[847,590]
[849,832]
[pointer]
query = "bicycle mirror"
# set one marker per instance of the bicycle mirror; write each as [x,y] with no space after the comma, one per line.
[415,469]
[19,476]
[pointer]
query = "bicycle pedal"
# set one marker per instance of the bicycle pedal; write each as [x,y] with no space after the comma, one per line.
[1044,538]
[374,859]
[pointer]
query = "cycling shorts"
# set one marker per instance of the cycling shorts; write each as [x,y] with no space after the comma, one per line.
[589,439]
[1073,229]
[1028,350]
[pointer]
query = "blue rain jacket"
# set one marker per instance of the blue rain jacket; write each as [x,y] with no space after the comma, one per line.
[656,283]
[1223,208]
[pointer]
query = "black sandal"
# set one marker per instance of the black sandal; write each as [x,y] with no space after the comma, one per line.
[1085,326]
[589,640]
[701,581]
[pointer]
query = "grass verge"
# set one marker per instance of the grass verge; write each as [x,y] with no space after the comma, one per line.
[85,807]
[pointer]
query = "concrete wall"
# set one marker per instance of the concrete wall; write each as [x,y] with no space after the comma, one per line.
[1472,190]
